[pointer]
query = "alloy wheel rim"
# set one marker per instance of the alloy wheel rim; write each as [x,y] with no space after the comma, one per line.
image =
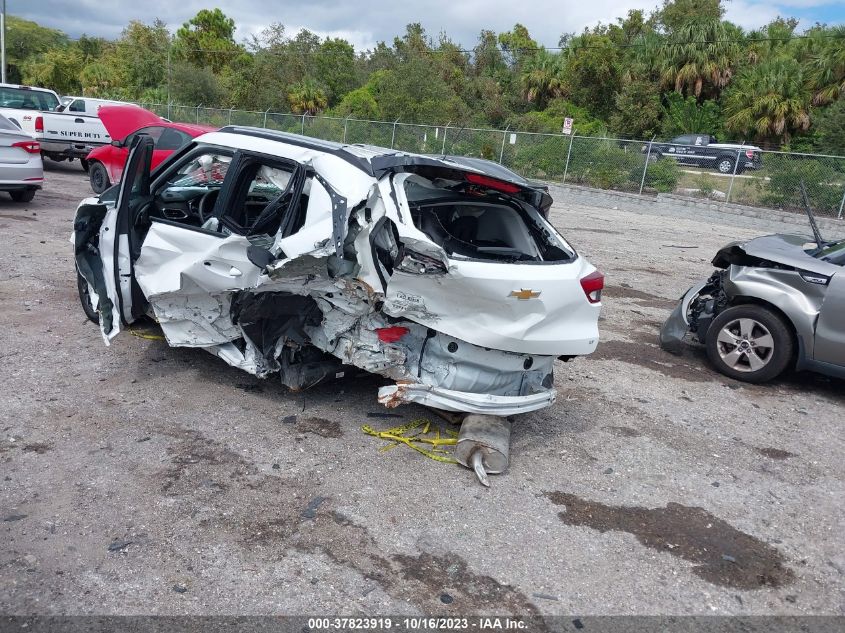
[725,166]
[745,345]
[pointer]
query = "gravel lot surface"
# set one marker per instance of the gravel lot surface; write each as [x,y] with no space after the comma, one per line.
[143,479]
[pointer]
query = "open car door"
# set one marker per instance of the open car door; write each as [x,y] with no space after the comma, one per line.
[104,244]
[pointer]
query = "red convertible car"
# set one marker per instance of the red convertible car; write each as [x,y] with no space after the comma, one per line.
[124,123]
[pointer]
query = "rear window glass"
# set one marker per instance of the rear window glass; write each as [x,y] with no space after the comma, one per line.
[495,228]
[25,99]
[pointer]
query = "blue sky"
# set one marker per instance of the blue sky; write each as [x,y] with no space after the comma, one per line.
[365,22]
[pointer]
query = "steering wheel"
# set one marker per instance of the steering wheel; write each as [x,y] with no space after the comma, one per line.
[206,205]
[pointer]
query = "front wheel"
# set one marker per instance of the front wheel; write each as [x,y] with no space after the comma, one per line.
[750,343]
[98,177]
[85,298]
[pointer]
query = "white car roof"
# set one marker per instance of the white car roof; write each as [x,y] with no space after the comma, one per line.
[370,159]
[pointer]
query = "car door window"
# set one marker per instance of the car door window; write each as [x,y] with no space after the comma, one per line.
[261,195]
[77,105]
[154,132]
[171,139]
[189,191]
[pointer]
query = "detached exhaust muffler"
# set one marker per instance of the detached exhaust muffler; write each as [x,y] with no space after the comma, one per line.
[484,445]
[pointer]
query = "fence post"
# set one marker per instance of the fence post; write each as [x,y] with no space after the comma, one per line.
[345,122]
[731,186]
[265,118]
[303,124]
[393,136]
[198,113]
[647,158]
[502,151]
[841,205]
[169,103]
[446,129]
[568,154]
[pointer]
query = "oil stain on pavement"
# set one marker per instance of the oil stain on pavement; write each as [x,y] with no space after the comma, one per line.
[722,554]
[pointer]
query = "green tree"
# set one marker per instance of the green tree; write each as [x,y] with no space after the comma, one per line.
[335,67]
[194,85]
[638,111]
[139,58]
[25,40]
[359,104]
[592,71]
[542,78]
[827,66]
[305,97]
[698,58]
[675,14]
[518,46]
[687,116]
[829,127]
[207,39]
[769,100]
[58,68]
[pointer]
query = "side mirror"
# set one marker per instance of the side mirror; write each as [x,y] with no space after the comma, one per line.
[261,257]
[117,143]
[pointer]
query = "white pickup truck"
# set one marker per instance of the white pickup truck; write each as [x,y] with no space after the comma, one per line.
[63,135]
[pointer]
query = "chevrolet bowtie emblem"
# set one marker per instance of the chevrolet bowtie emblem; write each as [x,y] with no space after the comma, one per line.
[524,294]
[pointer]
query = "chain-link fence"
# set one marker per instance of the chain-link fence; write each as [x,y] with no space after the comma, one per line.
[694,166]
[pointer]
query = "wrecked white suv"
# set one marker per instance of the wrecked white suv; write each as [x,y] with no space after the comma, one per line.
[282,253]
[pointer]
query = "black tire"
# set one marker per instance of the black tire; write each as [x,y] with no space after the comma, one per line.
[22,195]
[750,343]
[98,176]
[85,299]
[85,164]
[725,164]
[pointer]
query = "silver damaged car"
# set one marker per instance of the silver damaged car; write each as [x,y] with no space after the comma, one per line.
[774,303]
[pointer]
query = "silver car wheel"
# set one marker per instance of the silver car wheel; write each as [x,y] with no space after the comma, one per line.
[726,166]
[745,345]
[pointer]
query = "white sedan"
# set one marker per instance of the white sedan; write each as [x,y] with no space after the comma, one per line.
[282,253]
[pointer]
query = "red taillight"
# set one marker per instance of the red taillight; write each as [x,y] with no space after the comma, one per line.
[28,146]
[39,124]
[749,153]
[592,285]
[391,334]
[492,183]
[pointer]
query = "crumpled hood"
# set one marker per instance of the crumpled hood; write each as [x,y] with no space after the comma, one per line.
[780,248]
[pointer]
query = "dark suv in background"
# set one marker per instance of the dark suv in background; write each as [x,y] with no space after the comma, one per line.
[703,150]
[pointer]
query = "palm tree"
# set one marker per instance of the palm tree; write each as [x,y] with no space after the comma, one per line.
[769,100]
[699,58]
[827,66]
[305,97]
[542,78]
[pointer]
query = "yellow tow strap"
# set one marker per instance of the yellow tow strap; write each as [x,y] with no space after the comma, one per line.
[147,334]
[429,434]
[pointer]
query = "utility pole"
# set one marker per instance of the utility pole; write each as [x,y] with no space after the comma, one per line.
[3,43]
